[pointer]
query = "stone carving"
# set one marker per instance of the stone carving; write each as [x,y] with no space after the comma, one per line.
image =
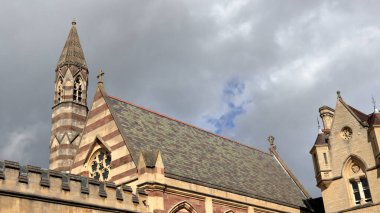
[355,168]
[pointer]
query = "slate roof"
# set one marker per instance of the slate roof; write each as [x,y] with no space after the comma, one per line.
[194,155]
[322,139]
[370,120]
[374,119]
[362,116]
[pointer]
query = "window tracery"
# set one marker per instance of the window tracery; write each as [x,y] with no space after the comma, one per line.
[78,87]
[346,133]
[100,165]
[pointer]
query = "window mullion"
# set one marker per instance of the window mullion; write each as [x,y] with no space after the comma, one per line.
[361,191]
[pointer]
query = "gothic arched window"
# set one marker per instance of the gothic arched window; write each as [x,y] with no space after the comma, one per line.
[59,90]
[354,173]
[78,87]
[100,165]
[183,207]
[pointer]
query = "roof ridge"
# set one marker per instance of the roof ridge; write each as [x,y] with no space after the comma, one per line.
[170,118]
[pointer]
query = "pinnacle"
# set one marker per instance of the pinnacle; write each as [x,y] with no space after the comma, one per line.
[72,52]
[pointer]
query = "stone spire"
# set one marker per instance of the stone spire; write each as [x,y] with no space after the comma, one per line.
[72,52]
[70,103]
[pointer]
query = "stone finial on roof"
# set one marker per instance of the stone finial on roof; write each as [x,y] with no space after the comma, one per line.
[100,76]
[74,22]
[338,94]
[271,142]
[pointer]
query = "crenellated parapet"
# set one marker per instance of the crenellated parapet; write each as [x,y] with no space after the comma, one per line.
[28,187]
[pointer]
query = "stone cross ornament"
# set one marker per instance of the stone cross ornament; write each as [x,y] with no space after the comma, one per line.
[100,76]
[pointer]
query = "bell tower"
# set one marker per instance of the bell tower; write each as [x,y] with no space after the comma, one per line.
[70,103]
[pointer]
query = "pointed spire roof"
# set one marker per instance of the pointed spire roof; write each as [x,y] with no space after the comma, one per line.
[72,52]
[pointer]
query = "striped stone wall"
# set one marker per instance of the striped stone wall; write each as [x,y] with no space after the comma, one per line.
[101,124]
[68,118]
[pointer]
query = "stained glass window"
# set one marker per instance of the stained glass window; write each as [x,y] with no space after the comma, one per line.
[100,165]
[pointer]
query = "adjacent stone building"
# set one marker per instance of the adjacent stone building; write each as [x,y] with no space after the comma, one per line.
[116,156]
[346,159]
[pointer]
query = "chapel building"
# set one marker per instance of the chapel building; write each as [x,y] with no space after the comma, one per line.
[346,157]
[179,165]
[116,156]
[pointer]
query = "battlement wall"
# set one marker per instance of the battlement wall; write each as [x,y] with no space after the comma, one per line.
[32,189]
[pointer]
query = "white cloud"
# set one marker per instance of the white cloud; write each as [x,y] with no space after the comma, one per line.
[18,143]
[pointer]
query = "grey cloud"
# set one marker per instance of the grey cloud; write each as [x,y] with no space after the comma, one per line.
[176,57]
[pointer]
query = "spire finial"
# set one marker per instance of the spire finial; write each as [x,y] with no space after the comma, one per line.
[74,22]
[72,52]
[271,142]
[100,76]
[338,94]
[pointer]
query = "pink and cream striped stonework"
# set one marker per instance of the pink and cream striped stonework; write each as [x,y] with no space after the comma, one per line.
[68,119]
[100,132]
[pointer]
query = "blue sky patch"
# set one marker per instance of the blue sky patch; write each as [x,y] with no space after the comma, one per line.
[233,99]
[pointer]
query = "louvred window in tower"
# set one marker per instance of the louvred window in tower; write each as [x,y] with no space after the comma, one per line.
[59,90]
[100,165]
[78,87]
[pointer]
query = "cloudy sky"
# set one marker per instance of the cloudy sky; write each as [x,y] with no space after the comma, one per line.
[243,69]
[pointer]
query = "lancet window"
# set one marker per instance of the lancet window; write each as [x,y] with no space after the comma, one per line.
[355,173]
[361,190]
[78,87]
[59,90]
